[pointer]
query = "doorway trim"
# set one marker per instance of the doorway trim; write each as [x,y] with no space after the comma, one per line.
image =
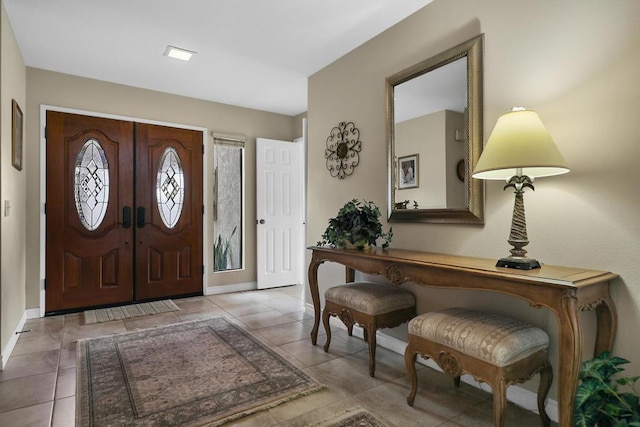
[43,185]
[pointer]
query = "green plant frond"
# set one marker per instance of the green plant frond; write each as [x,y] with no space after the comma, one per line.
[618,361]
[627,380]
[221,251]
[604,400]
[594,385]
[586,418]
[631,399]
[613,410]
[601,367]
[605,355]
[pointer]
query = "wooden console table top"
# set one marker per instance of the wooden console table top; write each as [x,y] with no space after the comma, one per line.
[565,291]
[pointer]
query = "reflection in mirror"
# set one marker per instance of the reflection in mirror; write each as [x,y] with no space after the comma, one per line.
[228,200]
[430,118]
[434,123]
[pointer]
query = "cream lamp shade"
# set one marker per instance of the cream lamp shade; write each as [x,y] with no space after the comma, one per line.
[519,145]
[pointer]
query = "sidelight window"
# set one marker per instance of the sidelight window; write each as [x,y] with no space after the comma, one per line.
[228,202]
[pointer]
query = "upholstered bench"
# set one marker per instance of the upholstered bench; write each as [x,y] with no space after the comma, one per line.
[370,305]
[494,349]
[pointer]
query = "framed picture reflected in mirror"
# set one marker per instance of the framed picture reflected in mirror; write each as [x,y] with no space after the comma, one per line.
[16,135]
[408,171]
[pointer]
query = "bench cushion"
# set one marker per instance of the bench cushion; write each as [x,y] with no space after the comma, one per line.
[493,338]
[370,298]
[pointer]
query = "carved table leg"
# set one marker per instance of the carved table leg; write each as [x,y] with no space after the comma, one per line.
[570,356]
[315,297]
[349,275]
[607,326]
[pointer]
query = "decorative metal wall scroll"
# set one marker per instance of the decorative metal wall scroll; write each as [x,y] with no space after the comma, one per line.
[343,148]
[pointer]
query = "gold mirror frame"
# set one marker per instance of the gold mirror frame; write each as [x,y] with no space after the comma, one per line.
[473,213]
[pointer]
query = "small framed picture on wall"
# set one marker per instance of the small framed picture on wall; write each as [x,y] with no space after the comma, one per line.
[408,172]
[16,135]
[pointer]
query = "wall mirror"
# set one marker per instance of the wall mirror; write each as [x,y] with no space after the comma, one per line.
[434,138]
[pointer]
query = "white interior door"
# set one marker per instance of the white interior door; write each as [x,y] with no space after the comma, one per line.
[280,212]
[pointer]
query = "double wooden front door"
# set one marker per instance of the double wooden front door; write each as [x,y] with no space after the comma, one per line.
[124,212]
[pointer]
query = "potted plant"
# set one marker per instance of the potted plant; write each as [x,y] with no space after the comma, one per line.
[603,400]
[221,252]
[357,225]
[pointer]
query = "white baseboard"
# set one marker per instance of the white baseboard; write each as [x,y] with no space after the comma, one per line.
[33,313]
[225,289]
[8,349]
[516,394]
[43,294]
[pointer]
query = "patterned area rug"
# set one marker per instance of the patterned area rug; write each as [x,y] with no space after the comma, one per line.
[352,417]
[206,372]
[128,311]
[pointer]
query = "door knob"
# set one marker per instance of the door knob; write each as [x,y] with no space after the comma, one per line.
[262,221]
[140,217]
[126,217]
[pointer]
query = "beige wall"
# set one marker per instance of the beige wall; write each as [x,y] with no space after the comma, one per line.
[13,185]
[61,90]
[577,63]
[456,151]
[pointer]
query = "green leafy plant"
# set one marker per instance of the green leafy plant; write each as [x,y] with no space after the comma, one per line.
[356,225]
[221,252]
[603,400]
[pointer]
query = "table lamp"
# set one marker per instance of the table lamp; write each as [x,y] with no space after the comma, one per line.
[519,150]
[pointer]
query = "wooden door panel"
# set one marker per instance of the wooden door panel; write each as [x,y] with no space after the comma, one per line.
[82,269]
[87,267]
[169,261]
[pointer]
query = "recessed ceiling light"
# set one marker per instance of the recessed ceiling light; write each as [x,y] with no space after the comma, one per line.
[178,53]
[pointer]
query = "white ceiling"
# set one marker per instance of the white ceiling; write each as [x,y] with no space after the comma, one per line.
[251,53]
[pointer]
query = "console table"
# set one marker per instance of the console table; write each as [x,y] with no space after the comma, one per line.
[565,291]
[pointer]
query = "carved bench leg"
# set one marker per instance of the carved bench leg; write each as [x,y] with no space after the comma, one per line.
[372,349]
[456,381]
[410,361]
[327,328]
[499,402]
[546,377]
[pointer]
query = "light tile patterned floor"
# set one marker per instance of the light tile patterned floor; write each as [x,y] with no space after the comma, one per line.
[37,387]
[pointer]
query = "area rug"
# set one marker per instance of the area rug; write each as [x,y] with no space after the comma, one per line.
[128,311]
[205,372]
[352,417]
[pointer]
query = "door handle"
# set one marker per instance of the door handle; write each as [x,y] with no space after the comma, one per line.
[126,217]
[140,217]
[262,221]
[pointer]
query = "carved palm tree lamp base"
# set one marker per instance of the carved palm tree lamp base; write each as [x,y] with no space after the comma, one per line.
[518,236]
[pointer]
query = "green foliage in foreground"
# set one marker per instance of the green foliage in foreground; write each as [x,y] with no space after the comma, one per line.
[603,400]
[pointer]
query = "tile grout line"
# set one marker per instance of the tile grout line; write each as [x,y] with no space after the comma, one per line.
[55,383]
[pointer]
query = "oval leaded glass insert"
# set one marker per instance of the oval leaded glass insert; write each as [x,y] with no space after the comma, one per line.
[170,187]
[91,184]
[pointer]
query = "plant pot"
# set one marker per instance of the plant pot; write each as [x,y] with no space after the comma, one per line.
[360,246]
